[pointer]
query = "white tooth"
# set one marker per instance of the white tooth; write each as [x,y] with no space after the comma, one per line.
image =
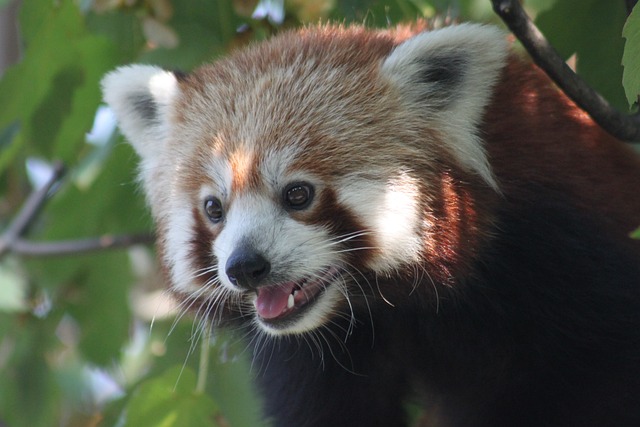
[290,301]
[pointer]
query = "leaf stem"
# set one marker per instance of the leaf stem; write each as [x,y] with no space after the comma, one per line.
[28,248]
[203,367]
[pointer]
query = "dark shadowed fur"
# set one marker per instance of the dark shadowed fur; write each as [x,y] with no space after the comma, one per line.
[544,332]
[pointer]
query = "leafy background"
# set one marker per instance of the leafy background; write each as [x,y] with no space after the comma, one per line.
[92,339]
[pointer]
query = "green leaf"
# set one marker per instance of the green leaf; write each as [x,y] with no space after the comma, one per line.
[591,29]
[9,144]
[94,291]
[102,306]
[8,134]
[169,400]
[55,90]
[122,28]
[539,5]
[230,382]
[13,288]
[96,286]
[196,21]
[631,56]
[27,381]
[376,13]
[33,17]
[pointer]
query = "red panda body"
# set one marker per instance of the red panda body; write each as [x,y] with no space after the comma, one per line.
[398,215]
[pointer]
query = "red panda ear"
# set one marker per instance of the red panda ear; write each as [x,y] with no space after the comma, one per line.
[141,96]
[446,76]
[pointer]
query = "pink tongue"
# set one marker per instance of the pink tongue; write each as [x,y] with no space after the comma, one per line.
[272,300]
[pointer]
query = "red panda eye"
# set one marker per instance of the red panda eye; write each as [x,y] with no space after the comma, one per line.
[298,195]
[213,209]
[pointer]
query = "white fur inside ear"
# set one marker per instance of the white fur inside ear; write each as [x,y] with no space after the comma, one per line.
[447,76]
[141,97]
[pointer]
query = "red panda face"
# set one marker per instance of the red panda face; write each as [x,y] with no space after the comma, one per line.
[291,242]
[289,181]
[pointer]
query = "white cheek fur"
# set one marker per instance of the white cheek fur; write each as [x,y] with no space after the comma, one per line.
[180,227]
[389,207]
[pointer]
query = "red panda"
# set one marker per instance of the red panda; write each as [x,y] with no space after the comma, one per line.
[395,215]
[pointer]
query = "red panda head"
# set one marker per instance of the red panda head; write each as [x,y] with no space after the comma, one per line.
[291,182]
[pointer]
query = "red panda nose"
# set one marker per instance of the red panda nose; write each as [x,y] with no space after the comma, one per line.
[246,268]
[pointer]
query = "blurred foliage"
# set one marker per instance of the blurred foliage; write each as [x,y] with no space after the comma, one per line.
[76,343]
[591,30]
[631,57]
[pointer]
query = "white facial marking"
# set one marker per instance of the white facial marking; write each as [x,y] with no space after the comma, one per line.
[177,253]
[390,208]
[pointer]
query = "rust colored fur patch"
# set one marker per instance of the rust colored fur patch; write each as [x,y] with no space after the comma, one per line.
[245,169]
[535,134]
[343,224]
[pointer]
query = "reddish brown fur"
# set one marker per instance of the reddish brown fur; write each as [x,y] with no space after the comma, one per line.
[461,214]
[524,132]
[245,168]
[358,56]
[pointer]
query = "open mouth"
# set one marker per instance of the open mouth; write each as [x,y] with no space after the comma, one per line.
[283,300]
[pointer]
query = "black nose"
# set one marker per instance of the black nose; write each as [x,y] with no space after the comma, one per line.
[246,268]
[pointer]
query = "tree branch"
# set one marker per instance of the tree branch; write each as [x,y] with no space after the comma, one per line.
[79,246]
[12,240]
[622,126]
[29,210]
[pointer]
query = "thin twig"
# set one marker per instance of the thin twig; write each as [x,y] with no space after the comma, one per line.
[12,239]
[78,246]
[29,210]
[203,368]
[622,126]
